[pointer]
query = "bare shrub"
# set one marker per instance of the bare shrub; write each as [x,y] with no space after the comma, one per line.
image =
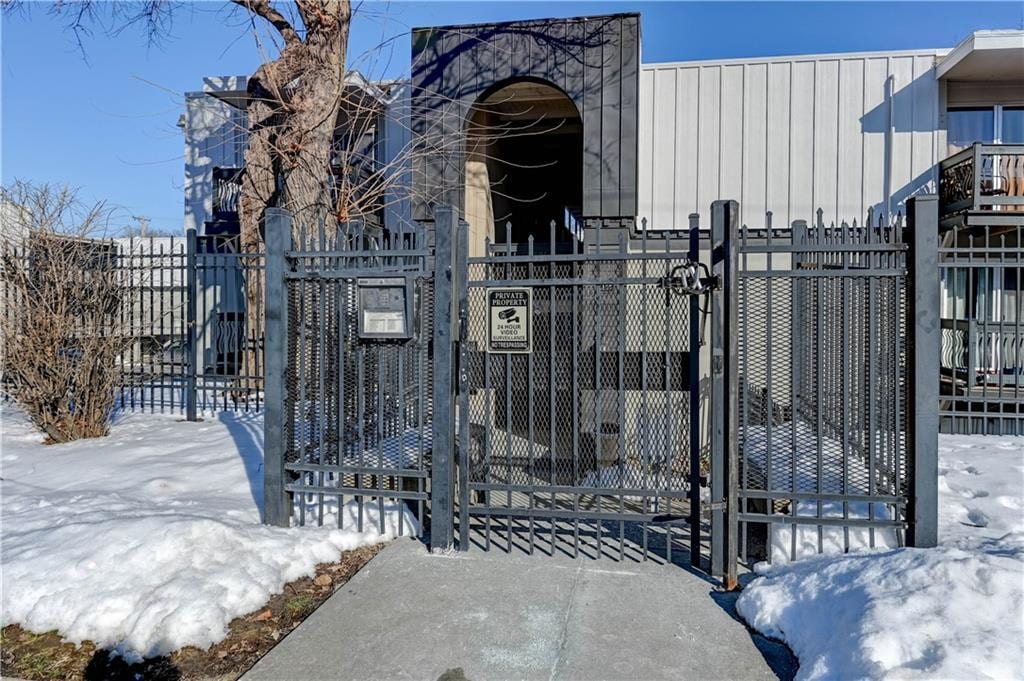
[62,296]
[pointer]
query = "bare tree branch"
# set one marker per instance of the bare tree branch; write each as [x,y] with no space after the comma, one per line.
[264,10]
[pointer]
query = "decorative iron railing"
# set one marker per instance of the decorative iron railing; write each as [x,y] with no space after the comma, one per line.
[981,352]
[981,269]
[227,188]
[982,177]
[187,316]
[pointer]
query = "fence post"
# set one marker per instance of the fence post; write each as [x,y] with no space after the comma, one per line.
[724,390]
[462,362]
[441,470]
[277,236]
[695,421]
[798,236]
[923,344]
[971,342]
[191,342]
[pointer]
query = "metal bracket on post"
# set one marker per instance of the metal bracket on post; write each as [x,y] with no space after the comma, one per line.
[277,231]
[192,331]
[923,383]
[724,390]
[441,469]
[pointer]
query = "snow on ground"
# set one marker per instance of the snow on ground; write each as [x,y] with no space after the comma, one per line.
[840,468]
[150,539]
[953,612]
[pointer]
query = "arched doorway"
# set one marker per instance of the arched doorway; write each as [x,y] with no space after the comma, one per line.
[524,166]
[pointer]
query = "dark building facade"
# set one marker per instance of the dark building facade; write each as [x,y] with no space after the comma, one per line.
[528,122]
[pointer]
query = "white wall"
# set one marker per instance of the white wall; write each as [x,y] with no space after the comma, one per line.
[14,222]
[786,134]
[215,135]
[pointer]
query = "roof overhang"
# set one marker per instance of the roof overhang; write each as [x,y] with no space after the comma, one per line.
[985,56]
[228,89]
[232,89]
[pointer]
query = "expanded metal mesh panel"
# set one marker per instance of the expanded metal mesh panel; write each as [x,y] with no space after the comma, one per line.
[823,391]
[582,444]
[358,410]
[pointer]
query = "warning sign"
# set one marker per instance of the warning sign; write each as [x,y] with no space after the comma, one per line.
[508,319]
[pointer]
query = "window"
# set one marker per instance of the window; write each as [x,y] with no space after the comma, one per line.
[954,293]
[969,125]
[990,124]
[1012,125]
[1011,295]
[997,124]
[985,294]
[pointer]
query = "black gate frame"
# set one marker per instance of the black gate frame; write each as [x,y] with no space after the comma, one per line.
[450,493]
[906,481]
[350,416]
[600,273]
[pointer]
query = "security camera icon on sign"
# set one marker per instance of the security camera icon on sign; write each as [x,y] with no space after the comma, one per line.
[509,315]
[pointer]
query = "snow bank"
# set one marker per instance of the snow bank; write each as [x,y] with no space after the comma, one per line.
[150,539]
[954,612]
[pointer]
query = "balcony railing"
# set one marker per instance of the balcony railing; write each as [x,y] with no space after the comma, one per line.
[983,177]
[227,188]
[977,353]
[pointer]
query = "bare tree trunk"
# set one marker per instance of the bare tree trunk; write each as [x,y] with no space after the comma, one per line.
[259,190]
[292,110]
[309,136]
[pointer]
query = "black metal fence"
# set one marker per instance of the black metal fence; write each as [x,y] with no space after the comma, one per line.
[190,342]
[567,421]
[822,388]
[349,428]
[835,345]
[583,442]
[982,321]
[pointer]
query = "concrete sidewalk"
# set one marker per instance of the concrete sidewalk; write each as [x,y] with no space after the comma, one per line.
[492,615]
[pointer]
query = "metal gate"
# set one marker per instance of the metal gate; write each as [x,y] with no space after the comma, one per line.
[833,394]
[584,437]
[613,396]
[349,432]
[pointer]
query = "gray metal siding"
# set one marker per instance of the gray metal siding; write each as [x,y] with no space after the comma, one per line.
[786,135]
[594,60]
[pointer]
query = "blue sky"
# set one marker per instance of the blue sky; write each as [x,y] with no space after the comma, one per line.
[107,124]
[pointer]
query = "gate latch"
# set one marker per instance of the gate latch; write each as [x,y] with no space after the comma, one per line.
[690,279]
[707,508]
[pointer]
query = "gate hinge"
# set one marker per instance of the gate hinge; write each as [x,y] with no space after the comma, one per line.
[713,506]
